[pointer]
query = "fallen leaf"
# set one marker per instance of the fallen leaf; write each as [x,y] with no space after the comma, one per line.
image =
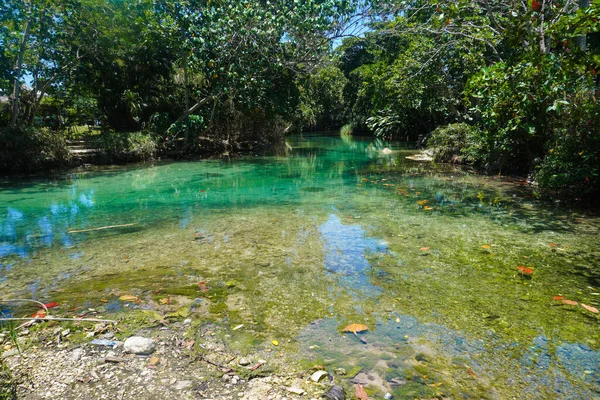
[275,342]
[569,302]
[471,372]
[154,360]
[240,326]
[558,298]
[552,244]
[590,308]
[256,366]
[39,314]
[165,300]
[203,287]
[50,305]
[360,392]
[427,208]
[104,300]
[525,270]
[355,328]
[422,202]
[435,384]
[485,246]
[424,248]
[128,297]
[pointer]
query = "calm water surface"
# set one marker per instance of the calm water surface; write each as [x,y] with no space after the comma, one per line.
[298,246]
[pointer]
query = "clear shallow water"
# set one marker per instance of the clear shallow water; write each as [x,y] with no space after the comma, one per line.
[300,245]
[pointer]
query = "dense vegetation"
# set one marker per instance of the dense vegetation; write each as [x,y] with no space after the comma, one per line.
[156,77]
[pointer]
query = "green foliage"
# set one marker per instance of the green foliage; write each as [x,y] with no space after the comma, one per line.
[32,149]
[126,146]
[322,99]
[8,390]
[453,142]
[347,130]
[572,161]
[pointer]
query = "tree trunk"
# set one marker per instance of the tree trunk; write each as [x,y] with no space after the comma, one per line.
[17,83]
[582,40]
[187,97]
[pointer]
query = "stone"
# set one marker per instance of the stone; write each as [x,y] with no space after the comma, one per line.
[318,375]
[388,396]
[76,355]
[182,385]
[139,345]
[296,390]
[244,361]
[187,321]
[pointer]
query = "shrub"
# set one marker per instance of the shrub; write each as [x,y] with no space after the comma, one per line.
[32,149]
[126,146]
[572,161]
[454,142]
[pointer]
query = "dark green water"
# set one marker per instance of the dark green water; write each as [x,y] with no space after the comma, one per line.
[298,246]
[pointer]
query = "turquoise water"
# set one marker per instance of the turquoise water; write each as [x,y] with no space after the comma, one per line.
[332,232]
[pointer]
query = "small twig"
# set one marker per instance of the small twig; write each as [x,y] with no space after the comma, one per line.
[49,318]
[101,228]
[26,300]
[225,369]
[359,338]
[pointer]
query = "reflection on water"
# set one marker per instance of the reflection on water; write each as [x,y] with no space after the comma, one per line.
[338,230]
[346,249]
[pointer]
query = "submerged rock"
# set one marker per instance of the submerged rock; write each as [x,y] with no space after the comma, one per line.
[318,375]
[139,345]
[335,393]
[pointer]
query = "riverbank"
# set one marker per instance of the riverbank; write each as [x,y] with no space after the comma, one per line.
[188,360]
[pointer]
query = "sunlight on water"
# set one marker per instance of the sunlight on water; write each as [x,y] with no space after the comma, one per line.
[297,246]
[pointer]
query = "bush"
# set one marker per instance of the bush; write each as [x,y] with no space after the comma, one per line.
[453,143]
[572,161]
[126,146]
[32,149]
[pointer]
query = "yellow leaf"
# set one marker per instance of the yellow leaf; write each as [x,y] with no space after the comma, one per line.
[275,342]
[128,297]
[355,328]
[485,246]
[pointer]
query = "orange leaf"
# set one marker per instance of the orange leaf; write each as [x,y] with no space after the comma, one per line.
[569,302]
[558,298]
[422,202]
[552,244]
[471,372]
[424,248]
[39,314]
[590,308]
[354,328]
[360,392]
[427,208]
[486,246]
[165,300]
[525,270]
[203,287]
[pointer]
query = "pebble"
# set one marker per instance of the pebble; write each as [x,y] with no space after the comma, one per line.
[139,345]
[318,375]
[244,361]
[388,396]
[181,385]
[187,321]
[296,390]
[76,355]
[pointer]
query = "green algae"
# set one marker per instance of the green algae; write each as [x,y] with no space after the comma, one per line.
[253,231]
